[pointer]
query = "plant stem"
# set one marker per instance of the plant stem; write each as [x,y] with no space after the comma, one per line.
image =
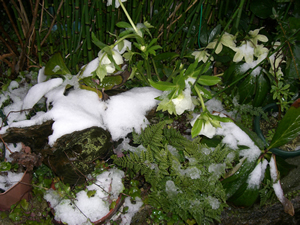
[128,17]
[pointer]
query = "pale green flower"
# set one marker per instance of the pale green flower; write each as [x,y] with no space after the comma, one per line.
[276,58]
[255,37]
[261,52]
[104,60]
[278,74]
[120,49]
[226,40]
[202,56]
[244,51]
[117,4]
[140,29]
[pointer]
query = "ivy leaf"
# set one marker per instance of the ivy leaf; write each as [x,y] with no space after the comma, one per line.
[56,66]
[91,193]
[288,128]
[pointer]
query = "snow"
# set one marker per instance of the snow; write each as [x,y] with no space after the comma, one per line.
[11,179]
[38,91]
[218,169]
[108,185]
[127,111]
[235,136]
[81,109]
[13,148]
[214,202]
[132,209]
[171,188]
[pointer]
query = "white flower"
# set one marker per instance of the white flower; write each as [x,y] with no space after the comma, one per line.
[226,39]
[184,100]
[202,56]
[244,51]
[255,37]
[104,60]
[126,45]
[117,4]
[207,129]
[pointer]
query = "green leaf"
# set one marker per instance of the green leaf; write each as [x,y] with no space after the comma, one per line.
[197,127]
[288,128]
[204,92]
[262,89]
[199,71]
[192,67]
[162,85]
[246,89]
[208,80]
[123,24]
[262,9]
[245,196]
[56,66]
[153,48]
[97,42]
[233,183]
[214,33]
[221,119]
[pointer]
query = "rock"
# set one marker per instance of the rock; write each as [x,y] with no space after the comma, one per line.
[74,154]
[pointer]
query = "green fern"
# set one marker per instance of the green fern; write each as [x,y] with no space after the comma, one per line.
[178,171]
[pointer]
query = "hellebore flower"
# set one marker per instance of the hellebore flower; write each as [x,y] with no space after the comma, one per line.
[226,40]
[183,102]
[244,51]
[126,45]
[260,52]
[104,60]
[207,129]
[117,4]
[276,58]
[255,37]
[202,56]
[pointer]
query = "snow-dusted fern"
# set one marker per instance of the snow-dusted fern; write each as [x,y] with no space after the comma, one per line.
[184,174]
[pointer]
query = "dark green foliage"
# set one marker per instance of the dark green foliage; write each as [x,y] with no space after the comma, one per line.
[178,170]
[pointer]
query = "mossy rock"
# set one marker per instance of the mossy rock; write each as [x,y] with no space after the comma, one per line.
[74,154]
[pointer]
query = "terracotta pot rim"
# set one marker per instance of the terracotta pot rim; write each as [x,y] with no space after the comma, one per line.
[21,188]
